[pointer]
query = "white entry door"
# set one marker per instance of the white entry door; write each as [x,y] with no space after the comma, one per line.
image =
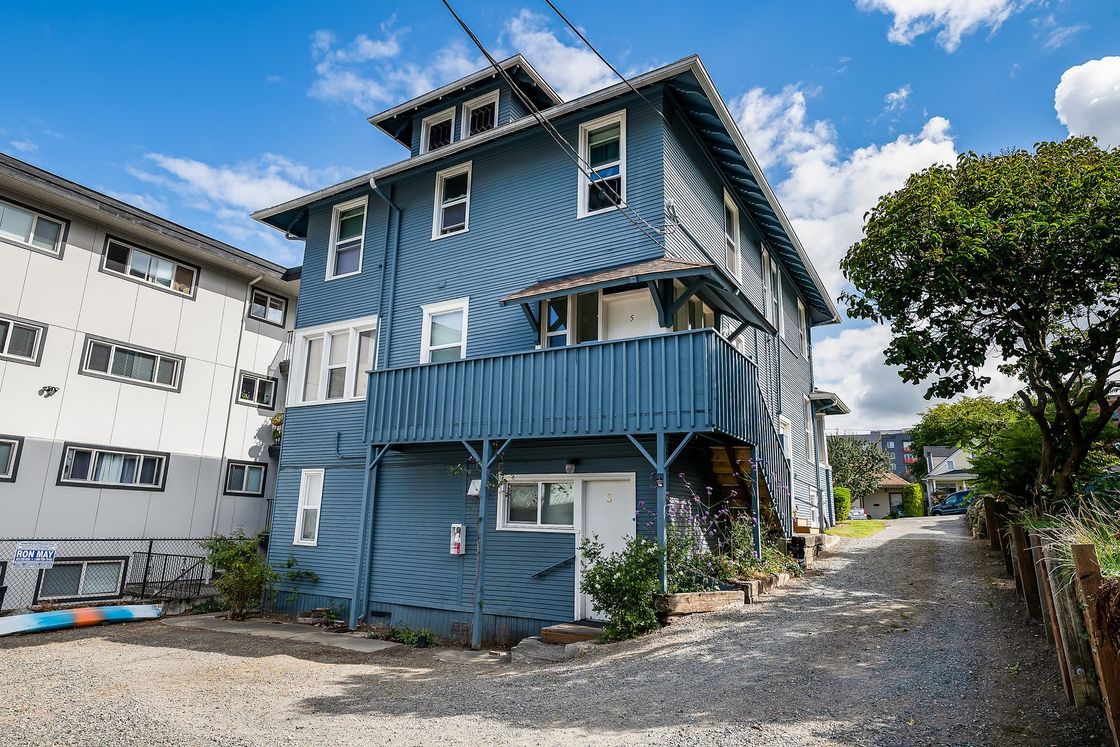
[608,516]
[629,314]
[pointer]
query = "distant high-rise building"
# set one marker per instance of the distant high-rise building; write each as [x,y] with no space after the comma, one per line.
[897,446]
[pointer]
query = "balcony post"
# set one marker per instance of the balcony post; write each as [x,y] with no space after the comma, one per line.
[480,565]
[662,508]
[756,508]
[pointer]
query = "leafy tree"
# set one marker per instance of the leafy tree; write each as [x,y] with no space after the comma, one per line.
[857,465]
[912,502]
[969,423]
[1017,255]
[245,574]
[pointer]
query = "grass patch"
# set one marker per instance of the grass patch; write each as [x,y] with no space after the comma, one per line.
[857,529]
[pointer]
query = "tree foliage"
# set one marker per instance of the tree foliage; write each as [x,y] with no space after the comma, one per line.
[968,423]
[857,465]
[842,502]
[245,575]
[912,502]
[1015,255]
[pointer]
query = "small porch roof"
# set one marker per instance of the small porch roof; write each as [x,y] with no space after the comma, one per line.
[712,287]
[828,403]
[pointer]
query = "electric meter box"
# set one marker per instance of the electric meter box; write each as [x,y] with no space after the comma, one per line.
[458,539]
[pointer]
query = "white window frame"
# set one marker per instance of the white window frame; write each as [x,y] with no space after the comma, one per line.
[442,307]
[437,212]
[5,344]
[303,504]
[8,472]
[810,432]
[803,328]
[731,237]
[127,274]
[336,213]
[298,366]
[263,467]
[269,298]
[114,346]
[486,99]
[36,215]
[585,161]
[785,435]
[258,379]
[427,123]
[822,444]
[66,466]
[84,563]
[504,524]
[772,292]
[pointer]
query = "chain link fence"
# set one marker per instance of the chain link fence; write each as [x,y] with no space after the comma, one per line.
[44,573]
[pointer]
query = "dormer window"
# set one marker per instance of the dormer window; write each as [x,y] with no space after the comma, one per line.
[480,115]
[435,131]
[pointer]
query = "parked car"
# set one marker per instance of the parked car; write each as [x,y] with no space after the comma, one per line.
[856,513]
[956,503]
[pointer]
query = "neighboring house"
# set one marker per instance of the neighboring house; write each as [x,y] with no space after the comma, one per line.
[556,349]
[140,362]
[886,500]
[897,446]
[949,470]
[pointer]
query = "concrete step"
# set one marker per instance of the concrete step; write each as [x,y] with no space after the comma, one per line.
[570,633]
[536,651]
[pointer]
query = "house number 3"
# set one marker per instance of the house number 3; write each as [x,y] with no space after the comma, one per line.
[610,497]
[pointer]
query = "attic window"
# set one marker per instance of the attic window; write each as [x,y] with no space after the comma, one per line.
[480,114]
[435,131]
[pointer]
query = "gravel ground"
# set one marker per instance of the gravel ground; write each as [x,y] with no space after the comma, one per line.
[910,637]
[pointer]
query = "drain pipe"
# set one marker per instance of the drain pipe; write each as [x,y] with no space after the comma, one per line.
[359,607]
[232,399]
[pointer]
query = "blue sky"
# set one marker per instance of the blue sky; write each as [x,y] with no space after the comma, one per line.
[204,111]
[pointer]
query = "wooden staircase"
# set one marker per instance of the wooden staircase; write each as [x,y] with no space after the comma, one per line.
[731,466]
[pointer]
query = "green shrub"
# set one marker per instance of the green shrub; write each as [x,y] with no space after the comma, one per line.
[842,500]
[912,502]
[245,574]
[622,586]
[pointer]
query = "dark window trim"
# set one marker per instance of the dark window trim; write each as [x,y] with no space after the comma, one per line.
[230,463]
[42,340]
[123,380]
[254,404]
[15,465]
[85,559]
[66,446]
[249,311]
[124,276]
[61,239]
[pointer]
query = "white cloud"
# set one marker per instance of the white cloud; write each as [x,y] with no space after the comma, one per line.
[1087,100]
[952,19]
[24,146]
[897,100]
[825,192]
[1052,34]
[572,69]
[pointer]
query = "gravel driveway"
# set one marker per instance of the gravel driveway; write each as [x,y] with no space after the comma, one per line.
[911,637]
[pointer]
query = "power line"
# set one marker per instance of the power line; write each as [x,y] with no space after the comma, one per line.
[651,232]
[604,60]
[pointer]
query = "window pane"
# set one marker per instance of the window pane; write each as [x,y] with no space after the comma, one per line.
[138,266]
[313,372]
[557,320]
[109,467]
[523,503]
[116,257]
[99,357]
[350,223]
[340,341]
[4,327]
[161,271]
[254,476]
[79,464]
[167,371]
[276,310]
[336,383]
[482,119]
[184,280]
[447,328]
[150,471]
[365,362]
[46,235]
[134,365]
[454,218]
[7,451]
[445,355]
[309,528]
[128,469]
[439,135]
[259,307]
[559,504]
[248,388]
[22,341]
[15,223]
[236,480]
[61,581]
[102,578]
[604,193]
[346,259]
[587,317]
[455,187]
[604,145]
[265,390]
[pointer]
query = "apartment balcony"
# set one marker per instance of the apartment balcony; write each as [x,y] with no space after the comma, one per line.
[673,383]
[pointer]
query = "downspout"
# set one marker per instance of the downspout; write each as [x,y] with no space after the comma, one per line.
[364,555]
[232,399]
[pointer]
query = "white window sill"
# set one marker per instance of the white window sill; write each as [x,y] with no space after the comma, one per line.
[304,543]
[340,401]
[340,277]
[600,211]
[538,528]
[449,234]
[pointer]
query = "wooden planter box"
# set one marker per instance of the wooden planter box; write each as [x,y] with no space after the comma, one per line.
[698,601]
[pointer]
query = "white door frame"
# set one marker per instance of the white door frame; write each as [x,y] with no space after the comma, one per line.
[630,478]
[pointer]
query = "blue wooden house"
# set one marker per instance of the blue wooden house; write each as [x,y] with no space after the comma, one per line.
[538,327]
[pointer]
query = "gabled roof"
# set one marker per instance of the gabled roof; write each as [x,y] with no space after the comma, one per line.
[828,403]
[698,99]
[397,121]
[891,480]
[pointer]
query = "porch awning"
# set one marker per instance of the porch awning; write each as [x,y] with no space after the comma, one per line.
[703,280]
[828,403]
